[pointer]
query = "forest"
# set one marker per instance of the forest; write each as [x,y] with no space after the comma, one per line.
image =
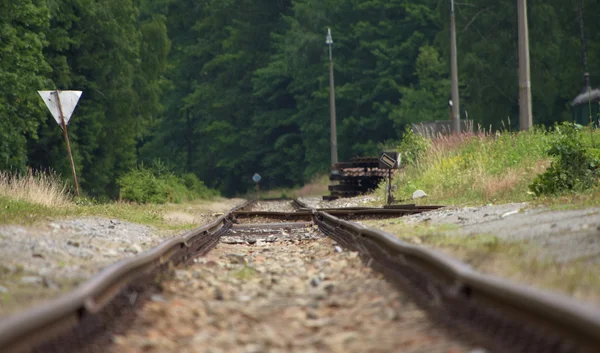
[226,88]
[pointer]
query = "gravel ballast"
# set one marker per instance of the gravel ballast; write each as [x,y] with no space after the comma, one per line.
[561,235]
[273,206]
[40,262]
[358,201]
[285,296]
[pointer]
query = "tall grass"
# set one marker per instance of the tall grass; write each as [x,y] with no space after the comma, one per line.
[44,189]
[476,167]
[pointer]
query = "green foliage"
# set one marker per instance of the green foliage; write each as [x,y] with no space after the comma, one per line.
[160,185]
[23,70]
[575,168]
[197,188]
[426,100]
[224,89]
[475,168]
[412,147]
[115,52]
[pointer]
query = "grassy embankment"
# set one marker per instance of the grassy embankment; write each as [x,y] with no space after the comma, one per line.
[479,169]
[31,199]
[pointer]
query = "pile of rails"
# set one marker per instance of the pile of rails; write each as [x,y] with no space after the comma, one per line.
[357,177]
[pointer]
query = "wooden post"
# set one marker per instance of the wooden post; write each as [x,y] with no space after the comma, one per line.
[64,126]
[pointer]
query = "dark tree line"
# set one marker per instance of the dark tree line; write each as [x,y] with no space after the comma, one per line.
[226,88]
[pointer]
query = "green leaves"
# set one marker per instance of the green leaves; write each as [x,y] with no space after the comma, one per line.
[575,167]
[22,73]
[223,89]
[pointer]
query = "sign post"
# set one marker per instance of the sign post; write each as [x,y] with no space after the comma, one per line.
[389,161]
[61,104]
[256,178]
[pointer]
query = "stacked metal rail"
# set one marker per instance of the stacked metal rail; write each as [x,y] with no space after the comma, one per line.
[357,177]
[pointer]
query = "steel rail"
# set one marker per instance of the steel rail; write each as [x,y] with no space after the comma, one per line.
[290,225]
[308,213]
[578,323]
[25,331]
[303,215]
[443,279]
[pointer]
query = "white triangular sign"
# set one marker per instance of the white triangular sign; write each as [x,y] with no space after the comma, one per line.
[68,100]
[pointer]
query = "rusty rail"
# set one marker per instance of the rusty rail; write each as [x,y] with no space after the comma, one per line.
[494,306]
[306,213]
[24,332]
[526,319]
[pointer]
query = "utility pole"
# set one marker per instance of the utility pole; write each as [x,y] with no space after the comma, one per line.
[525,119]
[455,104]
[334,155]
[586,72]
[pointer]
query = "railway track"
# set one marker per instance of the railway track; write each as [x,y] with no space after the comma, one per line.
[458,309]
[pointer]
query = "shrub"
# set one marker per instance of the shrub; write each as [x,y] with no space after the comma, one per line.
[575,167]
[412,147]
[160,185]
[197,187]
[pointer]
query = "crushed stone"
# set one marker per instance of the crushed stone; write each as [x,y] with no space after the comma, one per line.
[40,262]
[287,296]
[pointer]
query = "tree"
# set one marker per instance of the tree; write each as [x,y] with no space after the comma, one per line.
[22,72]
[116,56]
[427,100]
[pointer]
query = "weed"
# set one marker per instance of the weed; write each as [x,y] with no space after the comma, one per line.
[412,147]
[475,168]
[245,273]
[45,189]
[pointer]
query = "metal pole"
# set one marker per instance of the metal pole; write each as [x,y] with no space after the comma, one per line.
[64,126]
[454,73]
[389,198]
[525,115]
[334,154]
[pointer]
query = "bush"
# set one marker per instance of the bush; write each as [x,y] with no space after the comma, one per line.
[160,185]
[412,147]
[575,167]
[197,188]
